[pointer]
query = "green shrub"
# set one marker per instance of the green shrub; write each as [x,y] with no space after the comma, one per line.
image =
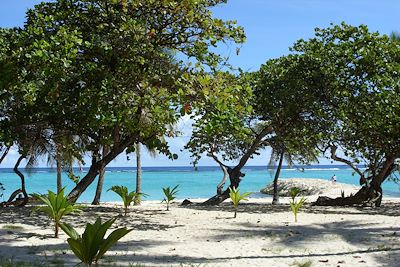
[170,194]
[56,206]
[295,205]
[236,197]
[126,196]
[92,245]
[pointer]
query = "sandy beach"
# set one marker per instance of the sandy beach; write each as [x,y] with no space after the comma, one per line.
[261,235]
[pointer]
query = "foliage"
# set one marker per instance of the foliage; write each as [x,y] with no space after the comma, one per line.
[56,206]
[73,60]
[170,194]
[294,192]
[295,205]
[92,244]
[236,197]
[126,196]
[359,71]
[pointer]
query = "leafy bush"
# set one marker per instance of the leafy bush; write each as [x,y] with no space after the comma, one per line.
[56,206]
[295,205]
[170,194]
[127,197]
[92,245]
[294,192]
[236,197]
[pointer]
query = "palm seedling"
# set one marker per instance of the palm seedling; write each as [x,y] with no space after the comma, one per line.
[56,206]
[91,245]
[170,194]
[236,197]
[126,196]
[295,205]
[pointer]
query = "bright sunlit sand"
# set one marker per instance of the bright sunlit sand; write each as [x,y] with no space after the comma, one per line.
[261,235]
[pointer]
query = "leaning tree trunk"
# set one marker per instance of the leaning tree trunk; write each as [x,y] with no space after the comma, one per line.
[100,182]
[234,177]
[95,168]
[138,150]
[275,199]
[23,190]
[3,156]
[235,173]
[370,193]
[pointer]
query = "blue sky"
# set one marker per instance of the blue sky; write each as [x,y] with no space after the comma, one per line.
[271,27]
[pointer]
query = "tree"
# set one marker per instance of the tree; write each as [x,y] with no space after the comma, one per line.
[93,67]
[253,109]
[364,109]
[100,182]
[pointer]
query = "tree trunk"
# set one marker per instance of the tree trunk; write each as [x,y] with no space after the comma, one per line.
[235,173]
[370,193]
[366,195]
[275,199]
[138,174]
[100,182]
[23,190]
[59,169]
[221,184]
[235,177]
[95,168]
[5,153]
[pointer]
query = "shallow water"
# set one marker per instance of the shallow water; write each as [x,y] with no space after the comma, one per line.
[192,184]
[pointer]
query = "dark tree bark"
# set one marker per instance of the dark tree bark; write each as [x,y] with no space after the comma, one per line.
[275,199]
[235,173]
[23,190]
[5,154]
[100,182]
[370,193]
[96,166]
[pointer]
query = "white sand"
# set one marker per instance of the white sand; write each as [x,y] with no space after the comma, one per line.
[261,235]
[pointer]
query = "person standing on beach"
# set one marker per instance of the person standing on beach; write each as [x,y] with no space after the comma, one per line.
[333,179]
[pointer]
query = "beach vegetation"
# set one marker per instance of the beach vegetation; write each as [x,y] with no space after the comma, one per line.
[236,198]
[307,263]
[92,245]
[170,194]
[64,69]
[362,110]
[12,227]
[56,205]
[126,196]
[295,204]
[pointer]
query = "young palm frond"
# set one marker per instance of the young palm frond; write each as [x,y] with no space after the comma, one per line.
[170,194]
[92,244]
[126,196]
[236,197]
[56,206]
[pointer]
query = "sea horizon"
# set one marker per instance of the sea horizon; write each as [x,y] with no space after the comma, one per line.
[193,183]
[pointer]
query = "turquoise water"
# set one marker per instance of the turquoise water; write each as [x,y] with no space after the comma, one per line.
[192,184]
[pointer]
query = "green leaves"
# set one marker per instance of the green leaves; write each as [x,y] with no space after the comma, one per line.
[126,196]
[56,206]
[170,194]
[295,206]
[237,197]
[91,246]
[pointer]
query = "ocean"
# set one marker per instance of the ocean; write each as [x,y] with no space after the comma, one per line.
[199,183]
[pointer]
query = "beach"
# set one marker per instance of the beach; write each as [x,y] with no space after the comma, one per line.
[261,235]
